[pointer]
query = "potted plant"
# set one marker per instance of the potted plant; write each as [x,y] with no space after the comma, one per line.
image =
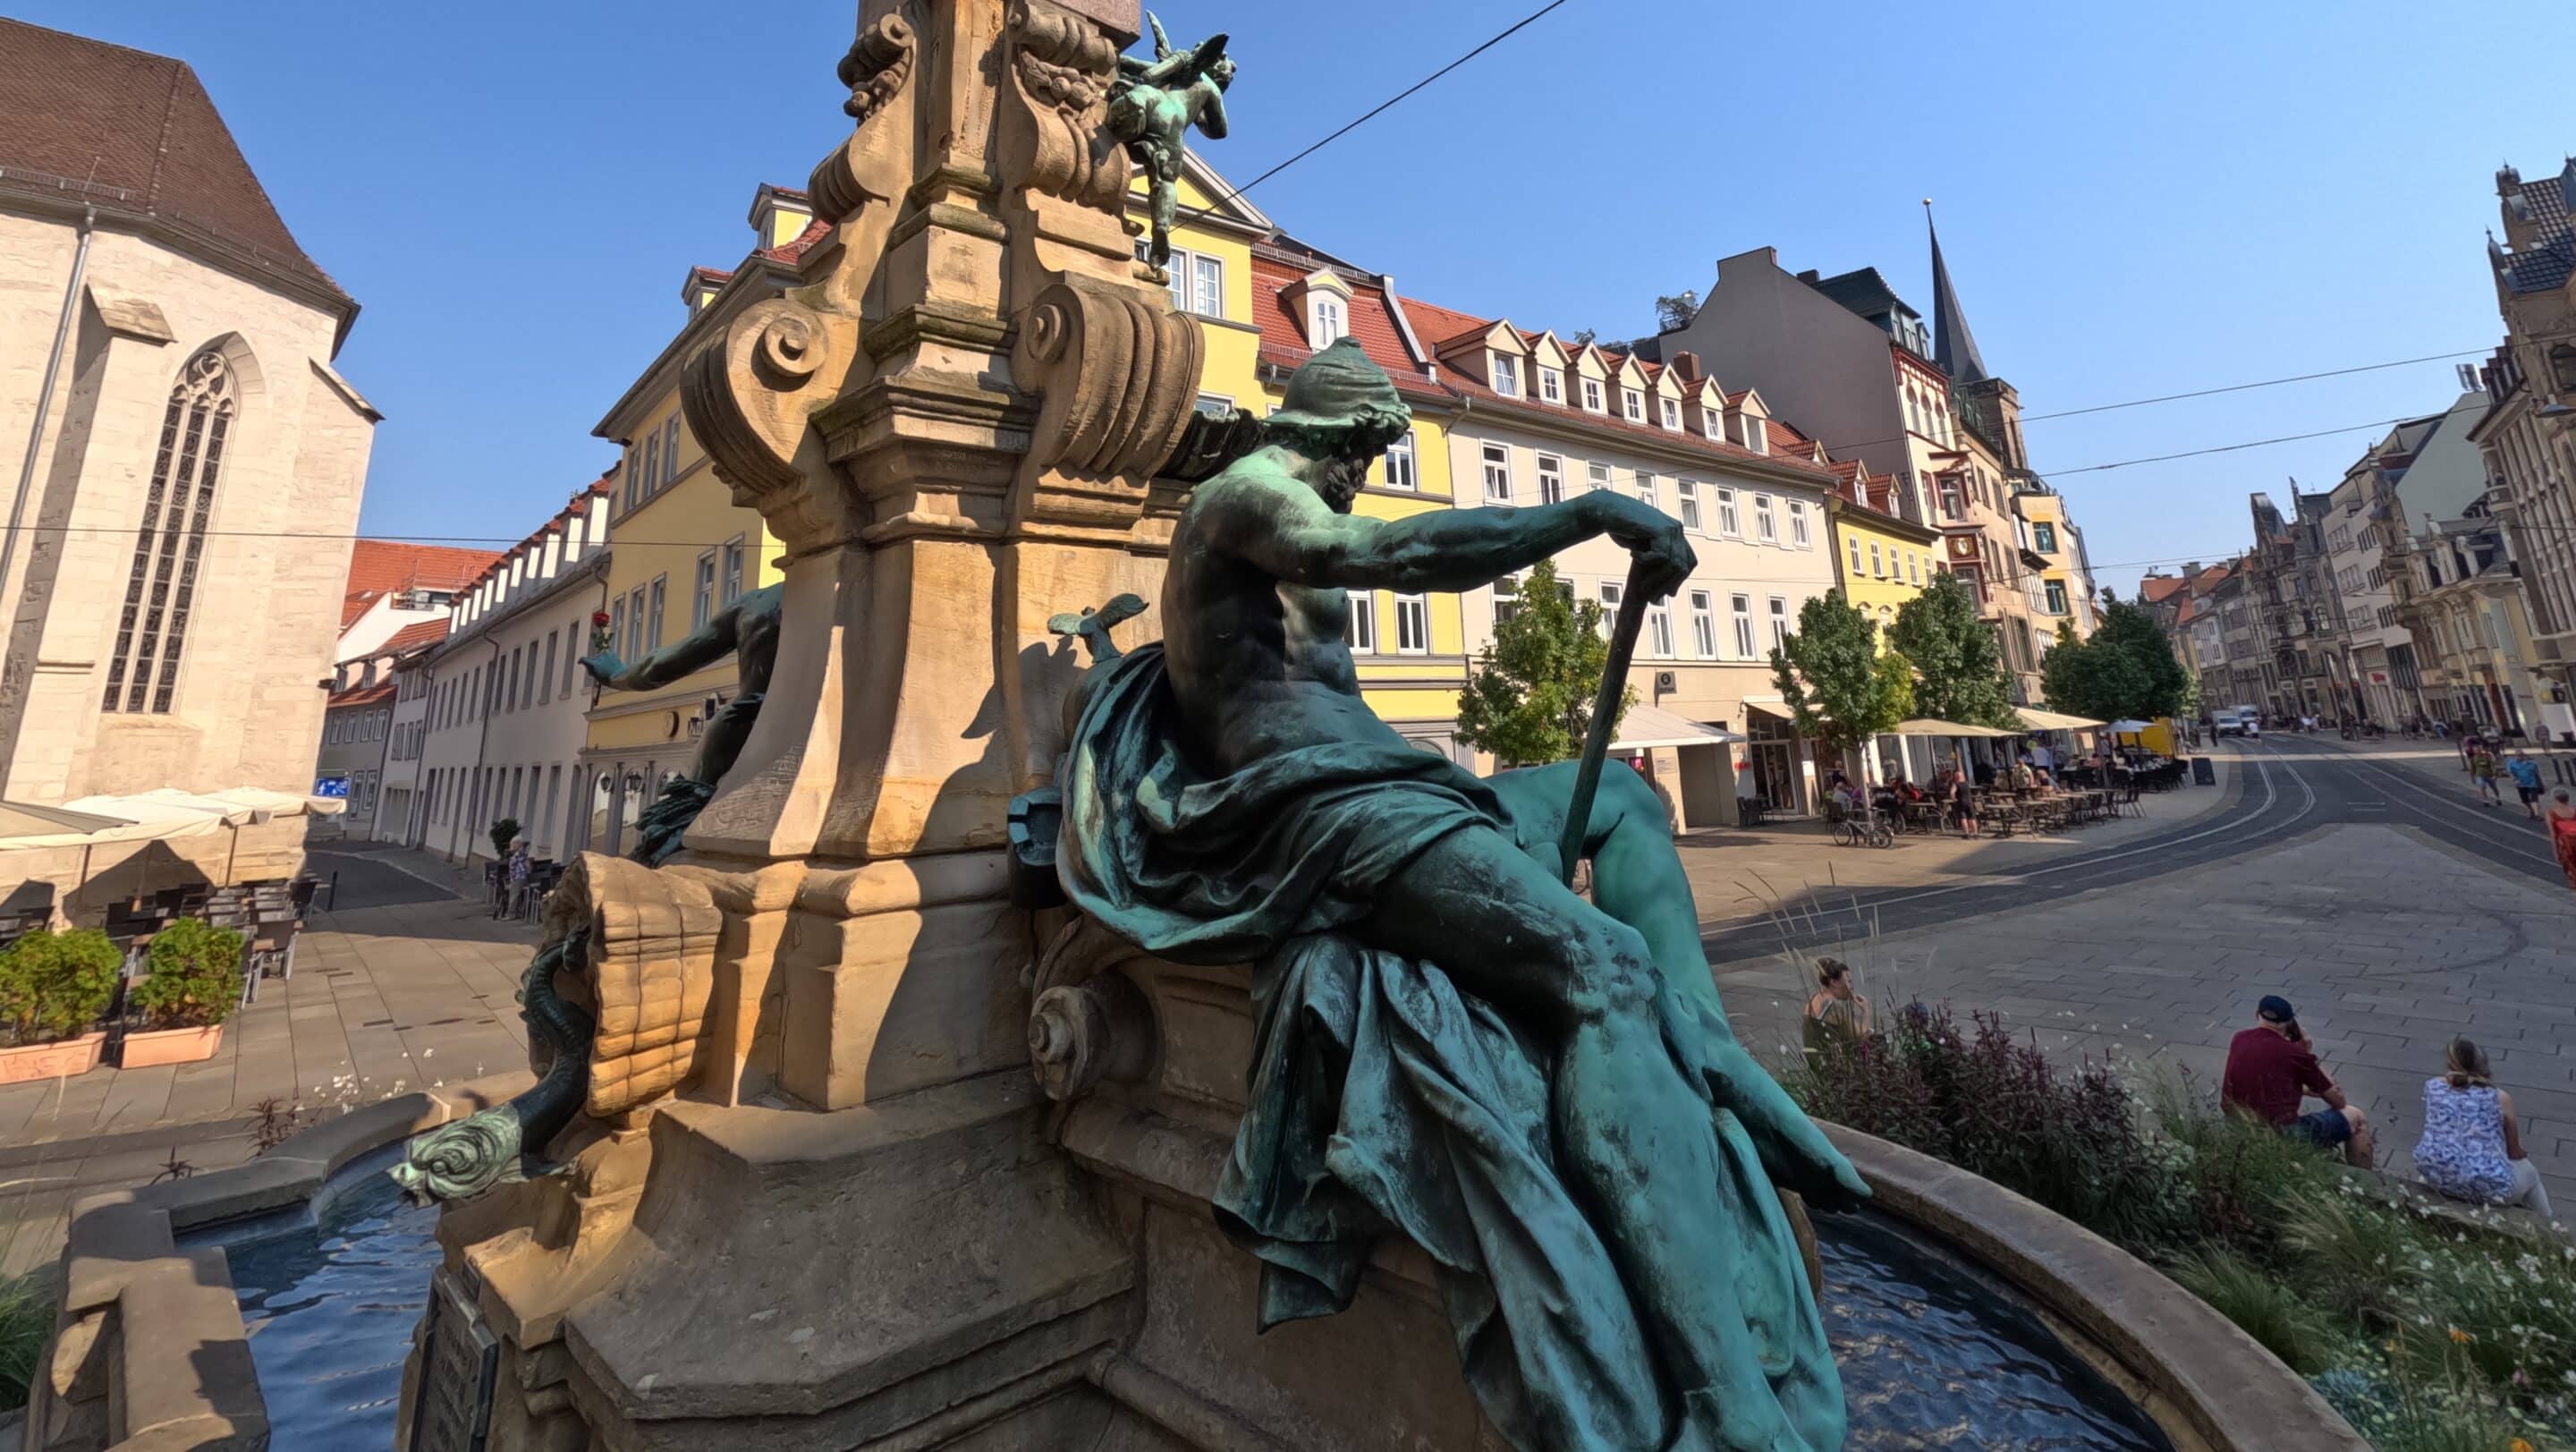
[53,988]
[195,983]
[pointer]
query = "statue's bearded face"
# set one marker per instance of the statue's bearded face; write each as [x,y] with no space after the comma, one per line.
[1341,481]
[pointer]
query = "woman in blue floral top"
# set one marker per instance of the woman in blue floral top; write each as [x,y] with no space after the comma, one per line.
[2472,1146]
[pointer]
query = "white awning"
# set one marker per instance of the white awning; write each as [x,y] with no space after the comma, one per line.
[1647,727]
[1926,726]
[2039,720]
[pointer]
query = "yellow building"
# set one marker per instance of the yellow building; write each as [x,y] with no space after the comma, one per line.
[1264,304]
[680,548]
[1880,561]
[2066,580]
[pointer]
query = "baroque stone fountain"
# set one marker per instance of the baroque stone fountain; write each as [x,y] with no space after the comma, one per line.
[853,1130]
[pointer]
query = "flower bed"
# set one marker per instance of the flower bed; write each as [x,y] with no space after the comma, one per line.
[2431,1333]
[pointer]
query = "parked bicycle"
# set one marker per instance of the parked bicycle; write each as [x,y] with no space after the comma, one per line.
[1863,832]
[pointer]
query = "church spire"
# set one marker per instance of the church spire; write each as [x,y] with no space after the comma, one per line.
[1953,346]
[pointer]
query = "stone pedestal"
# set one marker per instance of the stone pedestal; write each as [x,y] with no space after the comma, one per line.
[819,1199]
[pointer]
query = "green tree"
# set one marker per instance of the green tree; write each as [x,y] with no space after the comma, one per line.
[1958,666]
[1841,689]
[1529,699]
[504,831]
[2127,669]
[55,985]
[196,977]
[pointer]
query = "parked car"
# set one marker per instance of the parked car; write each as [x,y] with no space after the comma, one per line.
[2238,721]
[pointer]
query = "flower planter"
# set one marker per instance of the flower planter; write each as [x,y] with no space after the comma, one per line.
[170,1046]
[58,1060]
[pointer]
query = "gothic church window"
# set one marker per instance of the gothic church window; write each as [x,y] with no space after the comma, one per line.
[169,547]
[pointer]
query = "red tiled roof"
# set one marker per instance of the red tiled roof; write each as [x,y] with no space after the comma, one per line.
[2157,587]
[362,696]
[1283,330]
[793,250]
[379,567]
[1431,321]
[413,636]
[135,132]
[554,523]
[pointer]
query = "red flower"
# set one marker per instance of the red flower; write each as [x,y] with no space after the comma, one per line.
[599,617]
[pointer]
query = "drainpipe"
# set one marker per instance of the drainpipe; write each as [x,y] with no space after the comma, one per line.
[44,405]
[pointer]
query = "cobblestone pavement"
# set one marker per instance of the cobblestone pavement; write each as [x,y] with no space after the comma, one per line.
[399,986]
[2371,891]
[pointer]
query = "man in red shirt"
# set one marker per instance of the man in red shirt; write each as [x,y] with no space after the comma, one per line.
[2270,1068]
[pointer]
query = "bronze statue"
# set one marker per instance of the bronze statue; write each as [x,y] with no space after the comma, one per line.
[1152,106]
[1541,1091]
[747,630]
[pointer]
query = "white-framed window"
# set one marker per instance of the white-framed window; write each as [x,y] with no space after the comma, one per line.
[1914,567]
[1779,621]
[1551,479]
[1659,630]
[1214,405]
[2056,597]
[1412,625]
[1498,474]
[1592,396]
[1646,488]
[1852,541]
[1399,463]
[1596,475]
[1728,521]
[1688,492]
[1703,606]
[1325,319]
[1756,437]
[1361,635]
[653,628]
[1673,414]
[1741,606]
[736,555]
[1551,385]
[1198,284]
[1507,599]
[1632,405]
[1507,375]
[702,591]
[1611,594]
[1798,534]
[1876,572]
[1765,527]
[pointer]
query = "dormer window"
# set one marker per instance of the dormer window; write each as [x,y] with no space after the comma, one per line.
[1673,414]
[1325,319]
[1507,375]
[1716,424]
[1632,402]
[1749,428]
[1592,396]
[1551,385]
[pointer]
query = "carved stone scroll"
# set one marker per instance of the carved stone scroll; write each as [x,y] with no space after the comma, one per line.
[1061,68]
[651,971]
[878,64]
[749,396]
[1120,382]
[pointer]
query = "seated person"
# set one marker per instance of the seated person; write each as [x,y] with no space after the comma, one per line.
[1835,1012]
[2472,1144]
[1905,791]
[2270,1068]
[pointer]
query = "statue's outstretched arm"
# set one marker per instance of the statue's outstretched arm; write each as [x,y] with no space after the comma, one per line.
[691,653]
[1290,535]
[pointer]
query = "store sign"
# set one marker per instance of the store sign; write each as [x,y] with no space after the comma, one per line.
[331,786]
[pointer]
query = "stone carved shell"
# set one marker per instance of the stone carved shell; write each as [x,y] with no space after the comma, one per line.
[1062,67]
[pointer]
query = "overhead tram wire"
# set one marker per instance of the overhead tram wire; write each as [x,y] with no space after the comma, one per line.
[1380,108]
[2206,393]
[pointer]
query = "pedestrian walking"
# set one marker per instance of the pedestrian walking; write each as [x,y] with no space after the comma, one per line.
[1963,804]
[2561,820]
[2482,767]
[2526,780]
[2472,1144]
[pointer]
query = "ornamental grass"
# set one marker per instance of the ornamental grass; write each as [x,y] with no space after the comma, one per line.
[2428,1331]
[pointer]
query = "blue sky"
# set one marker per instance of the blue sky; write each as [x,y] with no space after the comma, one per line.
[2134,200]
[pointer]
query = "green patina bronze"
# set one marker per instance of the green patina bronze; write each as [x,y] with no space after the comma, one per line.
[747,629]
[1540,1091]
[458,1161]
[1152,106]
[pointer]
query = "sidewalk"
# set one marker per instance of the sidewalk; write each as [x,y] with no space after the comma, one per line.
[1738,874]
[385,999]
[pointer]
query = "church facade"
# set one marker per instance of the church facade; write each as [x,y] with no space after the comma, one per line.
[183,466]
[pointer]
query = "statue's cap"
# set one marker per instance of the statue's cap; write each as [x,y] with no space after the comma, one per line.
[1334,385]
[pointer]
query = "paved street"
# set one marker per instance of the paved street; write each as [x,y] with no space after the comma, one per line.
[2364,883]
[399,985]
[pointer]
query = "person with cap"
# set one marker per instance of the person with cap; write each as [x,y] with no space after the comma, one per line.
[2271,1069]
